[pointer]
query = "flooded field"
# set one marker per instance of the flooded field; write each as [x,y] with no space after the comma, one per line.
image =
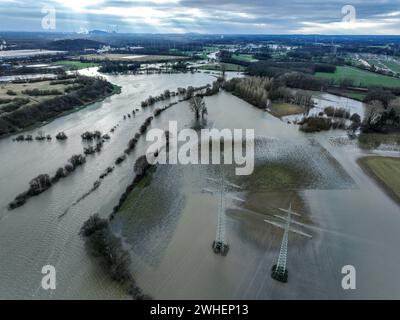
[169,223]
[324,100]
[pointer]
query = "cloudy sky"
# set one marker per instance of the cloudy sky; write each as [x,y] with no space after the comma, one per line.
[207,16]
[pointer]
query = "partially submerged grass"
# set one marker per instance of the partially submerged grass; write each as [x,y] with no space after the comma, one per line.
[135,194]
[76,65]
[285,109]
[385,171]
[218,67]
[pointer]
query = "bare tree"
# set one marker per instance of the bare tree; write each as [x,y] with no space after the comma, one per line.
[198,106]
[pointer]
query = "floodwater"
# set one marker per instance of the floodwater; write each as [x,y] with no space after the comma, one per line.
[324,100]
[170,227]
[172,223]
[34,235]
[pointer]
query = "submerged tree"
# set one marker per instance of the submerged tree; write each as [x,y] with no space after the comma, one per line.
[198,106]
[39,184]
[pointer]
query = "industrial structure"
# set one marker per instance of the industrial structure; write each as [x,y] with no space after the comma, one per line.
[220,244]
[279,271]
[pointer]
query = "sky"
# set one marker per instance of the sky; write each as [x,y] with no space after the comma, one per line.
[336,17]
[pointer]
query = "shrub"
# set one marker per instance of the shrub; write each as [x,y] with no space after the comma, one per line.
[77,160]
[315,124]
[120,159]
[355,118]
[337,112]
[141,165]
[61,136]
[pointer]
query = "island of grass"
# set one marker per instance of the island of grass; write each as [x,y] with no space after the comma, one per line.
[244,57]
[26,105]
[385,171]
[280,110]
[76,64]
[221,66]
[360,77]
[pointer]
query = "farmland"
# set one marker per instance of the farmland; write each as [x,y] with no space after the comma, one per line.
[360,77]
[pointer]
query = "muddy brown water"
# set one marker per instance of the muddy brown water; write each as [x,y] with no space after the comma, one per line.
[170,228]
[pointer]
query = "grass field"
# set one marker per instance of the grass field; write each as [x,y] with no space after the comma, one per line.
[360,77]
[386,171]
[383,63]
[19,87]
[349,94]
[285,109]
[76,65]
[244,57]
[228,67]
[394,66]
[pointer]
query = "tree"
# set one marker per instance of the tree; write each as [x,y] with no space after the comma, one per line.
[372,120]
[355,118]
[141,165]
[198,107]
[39,184]
[384,96]
[77,160]
[223,70]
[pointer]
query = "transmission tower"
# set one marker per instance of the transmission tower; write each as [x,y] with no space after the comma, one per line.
[279,271]
[220,245]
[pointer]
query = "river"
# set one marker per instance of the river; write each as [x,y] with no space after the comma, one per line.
[352,221]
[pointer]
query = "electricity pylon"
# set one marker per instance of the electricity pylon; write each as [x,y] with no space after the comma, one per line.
[279,271]
[220,245]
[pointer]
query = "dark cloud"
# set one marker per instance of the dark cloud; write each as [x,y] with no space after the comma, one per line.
[207,16]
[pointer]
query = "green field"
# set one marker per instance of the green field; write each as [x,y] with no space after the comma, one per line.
[349,94]
[76,65]
[386,171]
[19,88]
[244,57]
[360,77]
[392,65]
[285,109]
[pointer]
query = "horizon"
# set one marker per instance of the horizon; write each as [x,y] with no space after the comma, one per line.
[204,17]
[205,34]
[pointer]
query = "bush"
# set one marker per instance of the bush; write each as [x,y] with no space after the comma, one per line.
[77,160]
[102,242]
[69,168]
[37,92]
[384,96]
[337,112]
[93,224]
[39,184]
[141,165]
[355,118]
[61,136]
[315,124]
[59,174]
[120,159]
